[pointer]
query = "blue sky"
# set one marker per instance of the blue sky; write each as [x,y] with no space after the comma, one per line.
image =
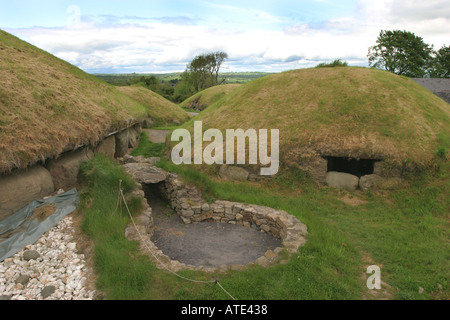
[164,35]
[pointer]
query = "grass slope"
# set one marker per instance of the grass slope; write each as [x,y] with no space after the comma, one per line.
[161,110]
[209,96]
[355,112]
[48,105]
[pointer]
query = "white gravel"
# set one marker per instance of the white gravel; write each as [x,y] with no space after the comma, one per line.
[59,267]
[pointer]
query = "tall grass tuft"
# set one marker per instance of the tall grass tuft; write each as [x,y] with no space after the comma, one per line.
[123,272]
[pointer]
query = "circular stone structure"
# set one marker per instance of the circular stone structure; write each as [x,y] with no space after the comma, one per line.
[208,244]
[232,217]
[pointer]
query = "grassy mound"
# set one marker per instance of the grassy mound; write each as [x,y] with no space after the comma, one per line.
[347,112]
[208,97]
[161,110]
[48,106]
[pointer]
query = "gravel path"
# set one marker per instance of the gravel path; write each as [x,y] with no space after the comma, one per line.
[47,270]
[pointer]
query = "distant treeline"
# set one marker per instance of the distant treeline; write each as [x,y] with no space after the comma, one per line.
[165,84]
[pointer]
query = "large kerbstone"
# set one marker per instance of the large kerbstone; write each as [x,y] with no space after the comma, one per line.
[370,181]
[145,173]
[107,147]
[341,180]
[122,143]
[64,170]
[134,136]
[375,182]
[233,173]
[22,188]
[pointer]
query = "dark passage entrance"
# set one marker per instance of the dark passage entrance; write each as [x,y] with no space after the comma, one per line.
[355,167]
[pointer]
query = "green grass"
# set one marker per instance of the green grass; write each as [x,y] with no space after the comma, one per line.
[408,237]
[405,232]
[147,148]
[122,270]
[209,96]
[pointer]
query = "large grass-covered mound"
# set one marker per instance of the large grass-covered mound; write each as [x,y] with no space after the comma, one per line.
[161,110]
[347,112]
[208,97]
[48,106]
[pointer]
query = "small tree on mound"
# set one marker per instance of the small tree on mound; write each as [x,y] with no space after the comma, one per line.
[203,71]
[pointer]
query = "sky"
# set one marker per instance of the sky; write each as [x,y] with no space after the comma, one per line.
[162,36]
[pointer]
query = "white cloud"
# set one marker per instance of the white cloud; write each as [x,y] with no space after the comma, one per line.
[167,45]
[428,19]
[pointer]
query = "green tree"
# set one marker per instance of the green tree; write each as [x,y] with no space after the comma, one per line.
[184,88]
[441,63]
[216,61]
[402,53]
[203,71]
[152,83]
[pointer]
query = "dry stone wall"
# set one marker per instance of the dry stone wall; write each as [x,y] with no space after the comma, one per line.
[188,203]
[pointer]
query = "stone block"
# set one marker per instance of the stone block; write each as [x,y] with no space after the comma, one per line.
[122,142]
[65,169]
[134,135]
[233,173]
[341,180]
[107,147]
[21,188]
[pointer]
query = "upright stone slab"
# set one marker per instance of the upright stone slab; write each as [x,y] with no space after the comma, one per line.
[64,170]
[134,136]
[22,188]
[107,147]
[122,143]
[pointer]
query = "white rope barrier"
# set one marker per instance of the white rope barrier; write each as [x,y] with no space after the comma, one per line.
[121,195]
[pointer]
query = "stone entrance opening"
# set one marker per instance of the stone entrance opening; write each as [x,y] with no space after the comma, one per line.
[356,167]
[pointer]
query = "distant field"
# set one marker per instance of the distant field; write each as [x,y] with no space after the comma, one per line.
[124,79]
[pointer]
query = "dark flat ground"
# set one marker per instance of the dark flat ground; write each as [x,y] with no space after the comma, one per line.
[206,244]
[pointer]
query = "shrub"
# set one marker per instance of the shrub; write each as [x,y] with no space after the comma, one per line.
[335,63]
